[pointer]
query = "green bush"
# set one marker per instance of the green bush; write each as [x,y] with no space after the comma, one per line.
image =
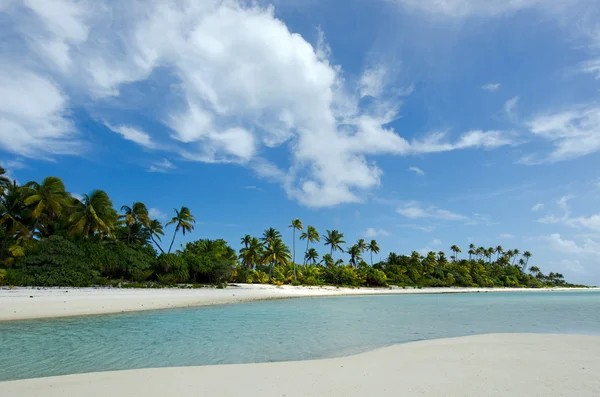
[171,268]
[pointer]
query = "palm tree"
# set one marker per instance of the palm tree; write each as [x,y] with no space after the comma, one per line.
[155,228]
[246,240]
[4,180]
[251,254]
[362,246]
[373,247]
[12,214]
[355,254]
[526,255]
[472,250]
[47,198]
[516,252]
[276,252]
[311,235]
[183,220]
[335,239]
[499,251]
[295,225]
[456,251]
[136,214]
[311,256]
[269,235]
[93,215]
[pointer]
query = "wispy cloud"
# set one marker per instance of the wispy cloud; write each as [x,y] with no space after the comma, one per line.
[373,232]
[414,210]
[155,213]
[491,87]
[161,166]
[506,236]
[134,135]
[537,207]
[427,229]
[417,171]
[252,187]
[510,107]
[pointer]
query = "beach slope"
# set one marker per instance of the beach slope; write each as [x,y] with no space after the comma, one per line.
[516,365]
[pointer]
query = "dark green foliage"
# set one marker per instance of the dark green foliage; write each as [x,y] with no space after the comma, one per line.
[54,261]
[211,261]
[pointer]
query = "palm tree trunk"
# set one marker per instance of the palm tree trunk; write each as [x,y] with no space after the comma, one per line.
[172,241]
[371,252]
[294,248]
[154,241]
[306,251]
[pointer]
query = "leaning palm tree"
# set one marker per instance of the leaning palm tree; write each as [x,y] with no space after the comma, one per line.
[183,220]
[134,215]
[48,198]
[276,252]
[516,253]
[526,255]
[373,248]
[335,239]
[93,215]
[361,245]
[155,228]
[295,225]
[499,251]
[12,215]
[311,235]
[4,180]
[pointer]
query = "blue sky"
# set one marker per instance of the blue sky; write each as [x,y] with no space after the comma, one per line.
[419,123]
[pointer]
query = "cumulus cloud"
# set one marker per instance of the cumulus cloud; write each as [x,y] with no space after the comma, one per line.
[417,171]
[573,133]
[491,87]
[373,232]
[240,82]
[414,210]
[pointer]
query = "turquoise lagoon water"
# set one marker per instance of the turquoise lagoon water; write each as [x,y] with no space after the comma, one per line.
[297,329]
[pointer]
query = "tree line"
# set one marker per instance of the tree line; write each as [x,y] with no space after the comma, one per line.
[51,238]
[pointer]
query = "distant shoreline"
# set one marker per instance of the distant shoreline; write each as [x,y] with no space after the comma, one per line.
[33,303]
[456,367]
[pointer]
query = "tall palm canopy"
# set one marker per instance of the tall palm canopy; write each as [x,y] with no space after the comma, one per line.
[334,239]
[136,214]
[183,220]
[355,254]
[269,235]
[93,215]
[252,253]
[276,252]
[46,199]
[295,225]
[156,231]
[311,235]
[373,248]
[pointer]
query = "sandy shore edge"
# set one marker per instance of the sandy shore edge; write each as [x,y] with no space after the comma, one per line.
[32,303]
[483,365]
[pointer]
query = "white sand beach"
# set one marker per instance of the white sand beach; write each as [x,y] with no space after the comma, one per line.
[515,365]
[29,303]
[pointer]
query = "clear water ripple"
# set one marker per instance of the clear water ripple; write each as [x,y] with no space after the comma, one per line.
[283,330]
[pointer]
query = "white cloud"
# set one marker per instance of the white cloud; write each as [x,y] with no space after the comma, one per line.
[427,229]
[417,171]
[510,106]
[491,87]
[155,213]
[252,187]
[161,166]
[414,210]
[134,135]
[573,133]
[432,246]
[373,81]
[537,207]
[481,8]
[244,83]
[592,67]
[372,232]
[506,235]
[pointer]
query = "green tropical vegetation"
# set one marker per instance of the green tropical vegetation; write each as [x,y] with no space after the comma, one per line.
[48,237]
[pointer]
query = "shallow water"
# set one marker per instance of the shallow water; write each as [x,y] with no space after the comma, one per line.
[281,330]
